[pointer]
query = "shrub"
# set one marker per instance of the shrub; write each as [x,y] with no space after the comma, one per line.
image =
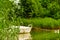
[7,33]
[42,22]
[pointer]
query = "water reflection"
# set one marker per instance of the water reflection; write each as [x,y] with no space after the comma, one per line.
[26,36]
[41,35]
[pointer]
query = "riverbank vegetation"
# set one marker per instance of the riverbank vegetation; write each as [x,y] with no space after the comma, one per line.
[49,23]
[39,13]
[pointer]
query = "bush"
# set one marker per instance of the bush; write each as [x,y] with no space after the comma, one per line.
[7,33]
[42,22]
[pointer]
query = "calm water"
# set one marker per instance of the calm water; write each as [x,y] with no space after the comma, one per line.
[25,36]
[42,35]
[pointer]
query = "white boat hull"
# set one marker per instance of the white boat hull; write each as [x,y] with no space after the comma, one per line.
[24,29]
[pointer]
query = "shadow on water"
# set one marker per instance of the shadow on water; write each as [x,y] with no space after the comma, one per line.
[42,35]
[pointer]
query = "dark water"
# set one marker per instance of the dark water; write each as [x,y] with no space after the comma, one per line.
[42,35]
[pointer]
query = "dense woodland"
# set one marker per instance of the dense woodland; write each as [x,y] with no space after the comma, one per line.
[31,8]
[37,12]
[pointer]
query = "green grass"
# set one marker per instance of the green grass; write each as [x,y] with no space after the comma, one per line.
[42,22]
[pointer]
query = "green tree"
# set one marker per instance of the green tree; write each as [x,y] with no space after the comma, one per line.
[5,6]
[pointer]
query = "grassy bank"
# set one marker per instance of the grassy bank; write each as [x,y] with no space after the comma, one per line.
[42,22]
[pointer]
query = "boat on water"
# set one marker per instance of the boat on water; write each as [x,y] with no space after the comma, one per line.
[25,29]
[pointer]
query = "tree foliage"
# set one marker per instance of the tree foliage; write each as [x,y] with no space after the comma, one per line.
[41,8]
[31,8]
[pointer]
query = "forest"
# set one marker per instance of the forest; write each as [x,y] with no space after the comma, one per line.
[39,13]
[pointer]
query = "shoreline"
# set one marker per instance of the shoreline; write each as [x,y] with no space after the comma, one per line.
[43,29]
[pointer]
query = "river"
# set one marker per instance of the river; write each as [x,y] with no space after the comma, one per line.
[41,35]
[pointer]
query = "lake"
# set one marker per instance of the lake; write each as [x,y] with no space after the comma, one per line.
[40,35]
